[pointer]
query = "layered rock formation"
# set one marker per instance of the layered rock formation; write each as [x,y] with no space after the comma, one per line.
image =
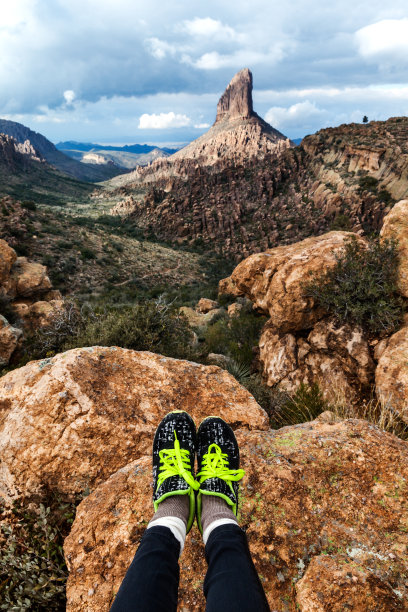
[300,343]
[347,177]
[71,421]
[323,505]
[26,294]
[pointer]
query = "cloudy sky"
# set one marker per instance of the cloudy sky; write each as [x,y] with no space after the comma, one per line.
[128,71]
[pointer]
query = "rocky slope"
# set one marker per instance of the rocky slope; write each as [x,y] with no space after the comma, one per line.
[24,173]
[344,178]
[323,503]
[82,172]
[26,299]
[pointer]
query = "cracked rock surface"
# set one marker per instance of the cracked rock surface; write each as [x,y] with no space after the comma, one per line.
[69,422]
[325,508]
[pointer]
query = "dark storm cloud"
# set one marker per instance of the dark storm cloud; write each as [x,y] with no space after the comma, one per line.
[124,59]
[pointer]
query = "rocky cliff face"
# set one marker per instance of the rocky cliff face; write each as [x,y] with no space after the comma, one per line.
[16,157]
[340,178]
[236,101]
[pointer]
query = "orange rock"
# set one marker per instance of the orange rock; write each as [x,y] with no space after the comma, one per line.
[339,583]
[273,280]
[69,422]
[9,340]
[205,305]
[27,279]
[7,258]
[38,314]
[337,357]
[395,226]
[309,490]
[391,375]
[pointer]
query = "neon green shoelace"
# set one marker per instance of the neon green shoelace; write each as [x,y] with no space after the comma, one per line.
[175,462]
[215,465]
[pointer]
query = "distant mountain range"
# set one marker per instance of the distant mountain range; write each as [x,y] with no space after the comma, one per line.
[72,145]
[48,151]
[127,156]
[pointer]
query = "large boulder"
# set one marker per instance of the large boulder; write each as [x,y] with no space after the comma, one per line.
[395,226]
[9,340]
[27,279]
[391,375]
[69,422]
[26,289]
[7,258]
[323,504]
[274,280]
[336,357]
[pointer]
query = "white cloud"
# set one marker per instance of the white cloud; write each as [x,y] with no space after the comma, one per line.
[160,48]
[69,96]
[163,121]
[294,115]
[208,27]
[201,126]
[236,60]
[388,37]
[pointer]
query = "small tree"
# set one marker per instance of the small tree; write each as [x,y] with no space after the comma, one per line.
[365,119]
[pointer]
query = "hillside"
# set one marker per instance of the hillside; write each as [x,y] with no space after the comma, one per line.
[24,174]
[75,169]
[339,178]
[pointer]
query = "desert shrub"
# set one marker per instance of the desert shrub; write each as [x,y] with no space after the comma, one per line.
[148,326]
[381,414]
[32,566]
[29,205]
[341,222]
[6,309]
[235,337]
[87,253]
[361,287]
[385,196]
[368,183]
[304,405]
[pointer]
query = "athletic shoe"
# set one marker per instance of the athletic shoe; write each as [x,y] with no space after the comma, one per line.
[173,460]
[218,464]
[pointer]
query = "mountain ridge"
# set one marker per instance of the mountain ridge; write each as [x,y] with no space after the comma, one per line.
[71,167]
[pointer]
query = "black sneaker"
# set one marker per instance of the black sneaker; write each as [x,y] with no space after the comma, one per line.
[218,464]
[173,460]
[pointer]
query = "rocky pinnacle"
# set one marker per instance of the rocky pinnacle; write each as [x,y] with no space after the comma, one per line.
[236,101]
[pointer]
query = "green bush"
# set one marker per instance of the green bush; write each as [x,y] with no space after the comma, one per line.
[147,326]
[361,288]
[235,337]
[87,253]
[32,566]
[29,205]
[368,183]
[305,405]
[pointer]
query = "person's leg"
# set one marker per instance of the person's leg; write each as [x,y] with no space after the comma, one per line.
[232,583]
[151,582]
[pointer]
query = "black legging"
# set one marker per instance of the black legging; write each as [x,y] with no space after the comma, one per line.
[152,580]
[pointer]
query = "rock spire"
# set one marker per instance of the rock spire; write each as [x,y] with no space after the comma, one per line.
[236,101]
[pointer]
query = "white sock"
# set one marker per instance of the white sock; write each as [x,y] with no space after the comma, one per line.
[214,524]
[176,525]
